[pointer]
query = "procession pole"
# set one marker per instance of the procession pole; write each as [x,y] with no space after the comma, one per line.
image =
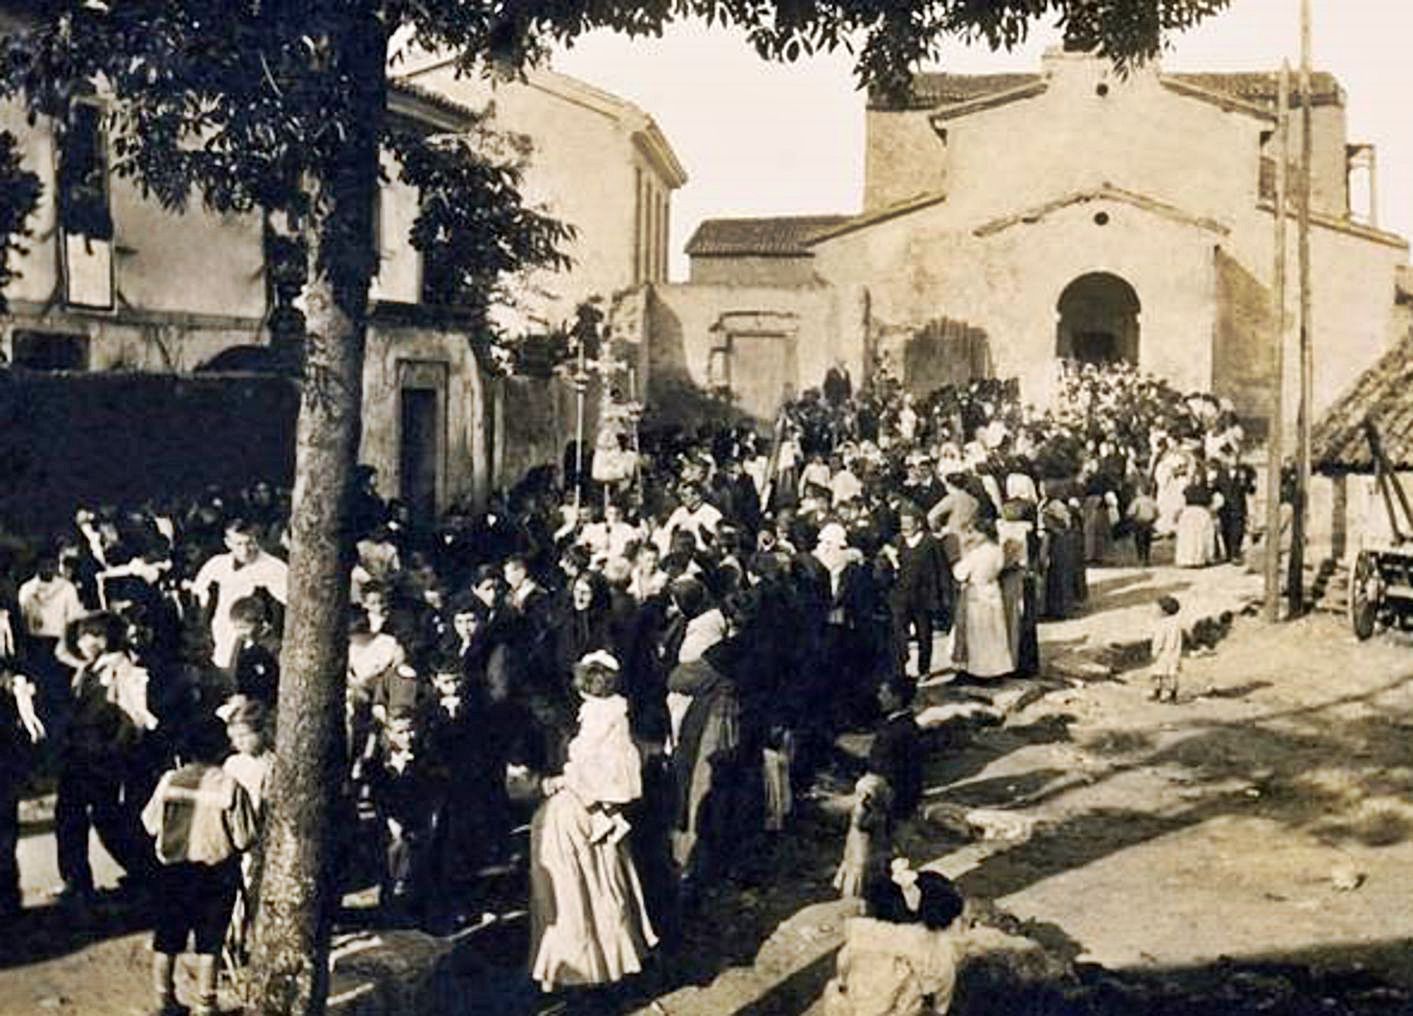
[1275,433]
[1296,583]
[580,383]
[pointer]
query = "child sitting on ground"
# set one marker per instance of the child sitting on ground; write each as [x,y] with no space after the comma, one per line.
[901,958]
[1166,650]
[202,820]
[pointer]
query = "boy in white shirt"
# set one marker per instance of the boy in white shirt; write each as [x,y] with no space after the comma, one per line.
[240,572]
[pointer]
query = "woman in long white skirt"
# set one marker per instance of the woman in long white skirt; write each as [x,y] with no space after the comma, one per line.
[588,919]
[982,647]
[1196,542]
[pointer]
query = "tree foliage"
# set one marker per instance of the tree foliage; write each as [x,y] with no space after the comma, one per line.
[19,193]
[237,104]
[281,105]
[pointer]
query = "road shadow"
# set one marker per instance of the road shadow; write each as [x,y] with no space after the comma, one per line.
[1366,980]
[1308,769]
[1107,602]
[54,930]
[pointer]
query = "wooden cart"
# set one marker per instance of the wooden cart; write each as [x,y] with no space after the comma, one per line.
[1381,580]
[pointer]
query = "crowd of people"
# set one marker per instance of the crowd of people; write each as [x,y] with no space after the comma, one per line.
[611,652]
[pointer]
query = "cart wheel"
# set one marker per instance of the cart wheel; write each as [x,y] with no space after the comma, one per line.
[1365,593]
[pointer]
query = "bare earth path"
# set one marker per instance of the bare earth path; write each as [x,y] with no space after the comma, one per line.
[1269,815]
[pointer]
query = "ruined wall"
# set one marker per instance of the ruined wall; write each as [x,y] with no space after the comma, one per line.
[465,466]
[682,332]
[535,420]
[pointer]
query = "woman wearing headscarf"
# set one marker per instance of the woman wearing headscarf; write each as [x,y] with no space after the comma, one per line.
[1065,585]
[1095,516]
[705,763]
[697,626]
[1020,548]
[585,627]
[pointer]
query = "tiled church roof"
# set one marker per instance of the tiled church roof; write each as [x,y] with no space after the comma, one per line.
[777,236]
[934,89]
[1261,87]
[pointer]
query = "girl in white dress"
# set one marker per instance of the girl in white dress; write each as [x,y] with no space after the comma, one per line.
[588,920]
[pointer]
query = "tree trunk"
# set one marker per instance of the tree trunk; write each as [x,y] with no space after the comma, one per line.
[289,971]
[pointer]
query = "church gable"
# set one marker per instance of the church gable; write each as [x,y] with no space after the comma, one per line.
[1106,193]
[1193,138]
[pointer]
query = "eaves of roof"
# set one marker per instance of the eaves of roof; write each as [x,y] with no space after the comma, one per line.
[1107,192]
[872,218]
[1223,100]
[643,129]
[428,106]
[767,236]
[1346,226]
[985,102]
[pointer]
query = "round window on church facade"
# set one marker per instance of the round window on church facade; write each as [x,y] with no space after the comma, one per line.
[1101,219]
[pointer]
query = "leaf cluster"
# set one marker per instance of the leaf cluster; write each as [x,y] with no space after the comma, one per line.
[242,101]
[19,194]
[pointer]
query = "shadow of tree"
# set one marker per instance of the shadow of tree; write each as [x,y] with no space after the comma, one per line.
[1262,767]
[1331,980]
[54,930]
[1104,603]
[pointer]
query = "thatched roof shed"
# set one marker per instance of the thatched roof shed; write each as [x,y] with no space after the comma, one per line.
[1383,394]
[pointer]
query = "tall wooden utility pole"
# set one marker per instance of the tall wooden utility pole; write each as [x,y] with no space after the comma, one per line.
[1275,433]
[1300,519]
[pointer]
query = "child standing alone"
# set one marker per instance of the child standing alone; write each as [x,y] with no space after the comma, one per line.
[202,820]
[1166,650]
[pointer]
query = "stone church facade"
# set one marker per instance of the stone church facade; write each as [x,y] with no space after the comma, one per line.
[1010,220]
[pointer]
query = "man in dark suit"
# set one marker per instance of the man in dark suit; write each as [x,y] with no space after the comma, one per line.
[918,593]
[896,754]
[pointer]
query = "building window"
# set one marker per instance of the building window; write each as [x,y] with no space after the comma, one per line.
[85,216]
[637,225]
[666,233]
[83,174]
[719,369]
[49,350]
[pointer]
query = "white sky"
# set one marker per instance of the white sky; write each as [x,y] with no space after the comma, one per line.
[761,138]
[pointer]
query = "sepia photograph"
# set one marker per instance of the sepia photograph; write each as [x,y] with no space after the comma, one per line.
[706,507]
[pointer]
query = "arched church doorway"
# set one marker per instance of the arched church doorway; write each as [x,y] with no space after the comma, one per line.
[1098,320]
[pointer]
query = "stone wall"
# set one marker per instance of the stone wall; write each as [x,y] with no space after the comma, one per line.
[904,157]
[441,357]
[689,334]
[534,424]
[1243,350]
[740,270]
